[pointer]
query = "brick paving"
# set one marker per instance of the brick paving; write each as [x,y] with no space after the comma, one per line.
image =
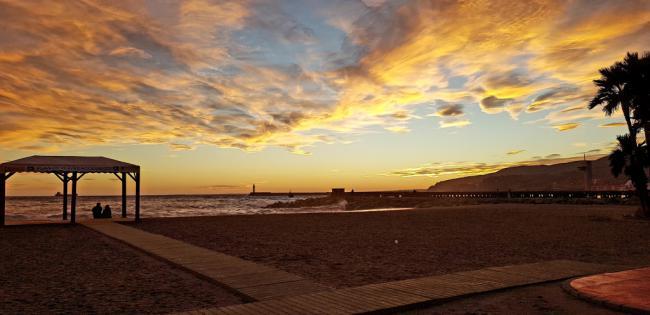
[627,291]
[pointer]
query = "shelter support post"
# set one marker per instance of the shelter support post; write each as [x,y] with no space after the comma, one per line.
[3,181]
[73,202]
[123,178]
[65,196]
[137,197]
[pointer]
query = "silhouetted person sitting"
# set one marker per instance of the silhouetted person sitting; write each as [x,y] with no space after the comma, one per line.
[107,214]
[97,211]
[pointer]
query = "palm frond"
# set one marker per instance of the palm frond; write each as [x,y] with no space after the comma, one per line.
[617,162]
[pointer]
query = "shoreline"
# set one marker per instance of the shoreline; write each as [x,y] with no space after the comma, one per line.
[361,202]
[16,220]
[48,208]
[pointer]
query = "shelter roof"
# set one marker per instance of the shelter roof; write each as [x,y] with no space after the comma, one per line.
[57,164]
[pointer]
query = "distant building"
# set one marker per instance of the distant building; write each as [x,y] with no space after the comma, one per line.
[587,168]
[338,191]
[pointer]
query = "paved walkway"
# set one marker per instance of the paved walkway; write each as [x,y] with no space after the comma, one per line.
[252,281]
[405,294]
[628,290]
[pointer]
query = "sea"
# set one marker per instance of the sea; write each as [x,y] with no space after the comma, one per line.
[51,208]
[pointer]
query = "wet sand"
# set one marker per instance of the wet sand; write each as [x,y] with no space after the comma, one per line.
[351,249]
[54,269]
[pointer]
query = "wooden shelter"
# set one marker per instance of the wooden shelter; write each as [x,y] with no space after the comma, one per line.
[71,169]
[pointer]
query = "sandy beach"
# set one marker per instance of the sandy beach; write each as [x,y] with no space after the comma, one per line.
[350,249]
[65,269]
[56,269]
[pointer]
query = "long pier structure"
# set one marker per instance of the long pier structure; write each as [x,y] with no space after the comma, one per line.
[543,194]
[498,194]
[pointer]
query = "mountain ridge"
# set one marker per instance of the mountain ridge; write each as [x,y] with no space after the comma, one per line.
[561,176]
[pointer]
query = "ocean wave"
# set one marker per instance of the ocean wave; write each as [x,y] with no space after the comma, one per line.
[50,208]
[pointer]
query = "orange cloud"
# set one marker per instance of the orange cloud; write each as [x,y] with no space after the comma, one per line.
[443,171]
[249,75]
[566,127]
[458,123]
[614,124]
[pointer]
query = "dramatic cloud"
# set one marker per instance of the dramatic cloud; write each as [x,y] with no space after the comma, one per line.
[451,115]
[450,110]
[614,124]
[450,170]
[398,129]
[458,123]
[401,115]
[442,171]
[130,52]
[566,127]
[253,74]
[515,152]
[556,97]
[494,105]
[180,147]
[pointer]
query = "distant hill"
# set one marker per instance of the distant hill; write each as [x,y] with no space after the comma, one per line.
[563,176]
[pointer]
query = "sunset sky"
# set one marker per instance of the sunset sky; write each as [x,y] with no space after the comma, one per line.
[213,96]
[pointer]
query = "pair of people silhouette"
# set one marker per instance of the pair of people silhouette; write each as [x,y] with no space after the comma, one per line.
[98,213]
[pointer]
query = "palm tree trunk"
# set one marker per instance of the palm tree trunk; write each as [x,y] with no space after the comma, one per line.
[646,129]
[628,120]
[640,182]
[643,200]
[641,185]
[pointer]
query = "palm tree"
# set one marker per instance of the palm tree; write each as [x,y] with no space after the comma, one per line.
[626,85]
[629,158]
[613,92]
[637,71]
